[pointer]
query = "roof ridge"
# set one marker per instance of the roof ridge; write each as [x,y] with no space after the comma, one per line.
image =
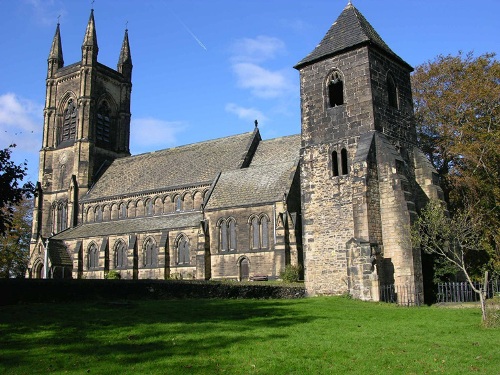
[183,146]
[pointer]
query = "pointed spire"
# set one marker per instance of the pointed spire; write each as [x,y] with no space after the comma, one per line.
[125,60]
[55,53]
[350,30]
[89,46]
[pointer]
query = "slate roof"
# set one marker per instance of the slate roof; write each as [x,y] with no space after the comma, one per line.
[269,175]
[349,30]
[127,226]
[277,150]
[57,253]
[173,167]
[252,186]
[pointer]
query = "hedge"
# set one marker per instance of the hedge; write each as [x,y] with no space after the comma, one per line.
[14,291]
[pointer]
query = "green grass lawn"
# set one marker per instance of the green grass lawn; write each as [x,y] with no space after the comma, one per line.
[306,336]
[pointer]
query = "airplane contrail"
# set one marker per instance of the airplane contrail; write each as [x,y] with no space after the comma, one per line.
[191,33]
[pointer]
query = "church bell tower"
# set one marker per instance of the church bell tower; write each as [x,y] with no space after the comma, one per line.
[86,127]
[357,164]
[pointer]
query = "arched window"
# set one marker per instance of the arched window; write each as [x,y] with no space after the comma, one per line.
[98,214]
[227,234]
[335,164]
[223,245]
[62,216]
[259,232]
[232,234]
[68,130]
[62,176]
[89,215]
[93,257]
[122,211]
[178,203]
[343,157]
[255,233]
[103,127]
[150,253]
[182,250]
[149,207]
[120,255]
[264,232]
[392,92]
[335,89]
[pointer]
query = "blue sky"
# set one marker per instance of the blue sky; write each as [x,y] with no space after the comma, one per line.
[205,69]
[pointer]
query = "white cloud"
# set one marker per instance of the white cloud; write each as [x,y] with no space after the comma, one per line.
[248,63]
[150,134]
[250,114]
[260,49]
[46,11]
[21,122]
[262,82]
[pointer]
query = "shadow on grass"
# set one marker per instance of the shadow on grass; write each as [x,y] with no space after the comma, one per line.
[171,333]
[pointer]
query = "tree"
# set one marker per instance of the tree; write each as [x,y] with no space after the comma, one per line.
[457,108]
[11,176]
[14,246]
[454,239]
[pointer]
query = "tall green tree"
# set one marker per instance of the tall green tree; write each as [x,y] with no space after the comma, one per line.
[457,107]
[14,245]
[12,190]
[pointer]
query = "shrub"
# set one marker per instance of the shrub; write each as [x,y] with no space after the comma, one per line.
[113,275]
[291,274]
[492,313]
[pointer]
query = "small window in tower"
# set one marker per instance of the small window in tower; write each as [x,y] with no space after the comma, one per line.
[335,164]
[103,123]
[392,92]
[68,130]
[343,157]
[335,89]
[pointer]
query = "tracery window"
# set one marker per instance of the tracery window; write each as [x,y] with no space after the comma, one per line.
[335,89]
[120,255]
[93,257]
[68,131]
[227,234]
[182,250]
[259,232]
[150,253]
[103,123]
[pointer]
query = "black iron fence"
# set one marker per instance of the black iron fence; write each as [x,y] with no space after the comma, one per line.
[403,295]
[463,292]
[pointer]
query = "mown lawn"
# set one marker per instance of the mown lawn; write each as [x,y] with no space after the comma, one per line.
[306,336]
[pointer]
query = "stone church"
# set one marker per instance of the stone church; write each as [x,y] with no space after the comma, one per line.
[337,199]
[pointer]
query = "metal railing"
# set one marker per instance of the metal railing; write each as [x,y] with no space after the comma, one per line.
[463,292]
[403,295]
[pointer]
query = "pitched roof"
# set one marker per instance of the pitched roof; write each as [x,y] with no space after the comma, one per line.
[252,186]
[174,167]
[277,150]
[269,175]
[58,254]
[127,226]
[349,30]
